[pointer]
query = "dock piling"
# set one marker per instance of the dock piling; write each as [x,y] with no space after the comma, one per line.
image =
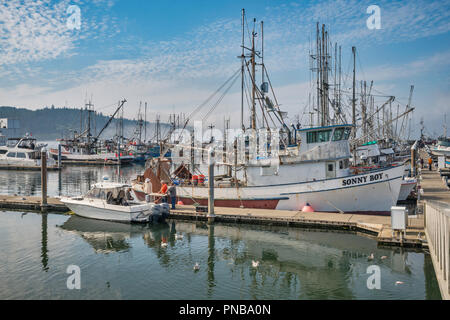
[59,156]
[43,180]
[211,214]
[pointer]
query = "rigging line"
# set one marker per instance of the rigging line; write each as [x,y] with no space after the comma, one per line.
[258,92]
[220,99]
[360,65]
[211,96]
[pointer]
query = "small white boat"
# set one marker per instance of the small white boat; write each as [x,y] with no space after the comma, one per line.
[111,201]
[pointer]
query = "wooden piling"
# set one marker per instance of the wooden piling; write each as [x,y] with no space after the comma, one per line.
[43,180]
[59,156]
[211,214]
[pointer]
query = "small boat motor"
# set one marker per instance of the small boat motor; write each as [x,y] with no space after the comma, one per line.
[156,213]
[165,210]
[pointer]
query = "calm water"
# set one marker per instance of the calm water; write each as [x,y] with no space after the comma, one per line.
[121,261]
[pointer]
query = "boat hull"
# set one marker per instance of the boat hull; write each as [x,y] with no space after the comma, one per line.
[406,188]
[109,212]
[370,193]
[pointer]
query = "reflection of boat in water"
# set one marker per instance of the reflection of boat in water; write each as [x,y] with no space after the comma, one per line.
[108,236]
[113,202]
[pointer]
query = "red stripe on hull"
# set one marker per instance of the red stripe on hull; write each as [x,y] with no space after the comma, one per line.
[227,203]
[252,204]
[235,203]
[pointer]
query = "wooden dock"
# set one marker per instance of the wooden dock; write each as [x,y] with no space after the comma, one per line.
[377,227]
[435,200]
[25,203]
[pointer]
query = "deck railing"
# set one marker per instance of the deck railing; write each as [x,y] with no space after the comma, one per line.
[437,229]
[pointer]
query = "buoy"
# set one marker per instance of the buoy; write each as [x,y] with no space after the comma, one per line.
[180,203]
[307,208]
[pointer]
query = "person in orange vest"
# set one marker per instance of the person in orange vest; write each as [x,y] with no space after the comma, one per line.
[164,191]
[430,162]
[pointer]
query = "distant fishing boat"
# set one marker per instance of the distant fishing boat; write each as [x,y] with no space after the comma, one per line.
[71,154]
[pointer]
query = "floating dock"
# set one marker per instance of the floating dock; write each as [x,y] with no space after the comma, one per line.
[377,227]
[27,168]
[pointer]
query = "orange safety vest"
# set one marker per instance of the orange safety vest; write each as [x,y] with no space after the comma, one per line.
[430,161]
[164,188]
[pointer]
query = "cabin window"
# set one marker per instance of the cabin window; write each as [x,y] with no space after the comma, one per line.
[21,155]
[3,151]
[347,132]
[11,155]
[318,136]
[341,134]
[341,164]
[338,134]
[330,167]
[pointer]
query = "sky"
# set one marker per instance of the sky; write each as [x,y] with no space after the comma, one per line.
[175,54]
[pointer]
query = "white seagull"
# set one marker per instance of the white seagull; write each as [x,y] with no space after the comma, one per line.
[178,236]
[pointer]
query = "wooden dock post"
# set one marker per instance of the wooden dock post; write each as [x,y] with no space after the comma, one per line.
[59,156]
[413,159]
[211,214]
[43,180]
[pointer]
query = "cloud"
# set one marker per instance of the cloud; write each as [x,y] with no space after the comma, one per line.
[38,31]
[183,71]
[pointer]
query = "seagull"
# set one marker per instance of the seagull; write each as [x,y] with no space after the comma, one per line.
[196,266]
[178,237]
[164,244]
[371,257]
[399,282]
[255,264]
[383,257]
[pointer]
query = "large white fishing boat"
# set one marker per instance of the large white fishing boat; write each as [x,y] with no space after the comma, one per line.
[315,173]
[312,167]
[111,201]
[23,153]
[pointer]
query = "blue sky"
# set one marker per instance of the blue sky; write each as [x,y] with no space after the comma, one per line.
[174,54]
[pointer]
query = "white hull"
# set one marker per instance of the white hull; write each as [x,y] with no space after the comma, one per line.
[87,158]
[441,151]
[100,210]
[374,192]
[406,189]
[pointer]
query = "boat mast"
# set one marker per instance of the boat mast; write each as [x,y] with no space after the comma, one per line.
[253,55]
[145,123]
[353,93]
[242,71]
[262,66]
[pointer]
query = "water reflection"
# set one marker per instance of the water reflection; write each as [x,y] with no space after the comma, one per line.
[294,263]
[113,237]
[44,250]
